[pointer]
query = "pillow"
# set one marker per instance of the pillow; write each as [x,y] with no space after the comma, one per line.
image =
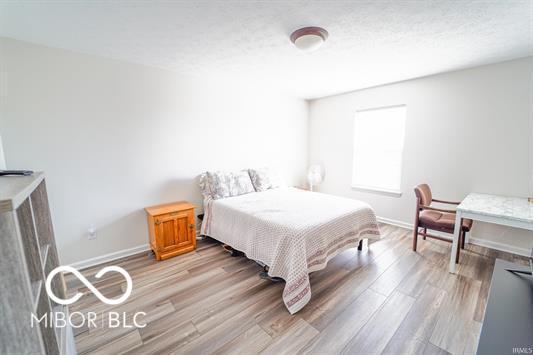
[265,178]
[205,187]
[240,183]
[226,184]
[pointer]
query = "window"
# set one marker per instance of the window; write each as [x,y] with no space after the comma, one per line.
[378,148]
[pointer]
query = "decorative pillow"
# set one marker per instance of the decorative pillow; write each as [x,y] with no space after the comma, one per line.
[218,184]
[275,179]
[265,178]
[205,187]
[240,183]
[226,184]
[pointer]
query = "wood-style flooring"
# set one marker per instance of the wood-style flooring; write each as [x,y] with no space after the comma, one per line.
[383,300]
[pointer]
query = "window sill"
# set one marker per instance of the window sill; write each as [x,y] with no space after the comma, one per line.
[394,193]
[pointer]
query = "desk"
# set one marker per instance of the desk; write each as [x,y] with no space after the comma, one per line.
[507,211]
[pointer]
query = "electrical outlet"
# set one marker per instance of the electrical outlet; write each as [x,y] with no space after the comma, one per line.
[91,233]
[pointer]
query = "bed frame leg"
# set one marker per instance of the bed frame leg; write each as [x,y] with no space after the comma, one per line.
[363,244]
[264,275]
[233,252]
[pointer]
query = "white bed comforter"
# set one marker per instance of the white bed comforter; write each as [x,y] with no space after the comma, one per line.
[292,231]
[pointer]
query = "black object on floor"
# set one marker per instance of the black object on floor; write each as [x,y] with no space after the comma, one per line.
[232,251]
[16,172]
[264,275]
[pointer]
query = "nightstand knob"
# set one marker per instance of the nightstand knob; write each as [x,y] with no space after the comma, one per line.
[191,226]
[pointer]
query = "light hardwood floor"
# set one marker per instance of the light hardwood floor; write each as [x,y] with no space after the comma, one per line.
[386,299]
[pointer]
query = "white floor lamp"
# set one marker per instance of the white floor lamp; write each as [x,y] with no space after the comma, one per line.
[315,175]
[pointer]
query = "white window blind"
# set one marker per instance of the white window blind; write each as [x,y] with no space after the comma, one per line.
[378,148]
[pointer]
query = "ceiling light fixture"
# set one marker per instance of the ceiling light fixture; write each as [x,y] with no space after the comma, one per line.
[309,38]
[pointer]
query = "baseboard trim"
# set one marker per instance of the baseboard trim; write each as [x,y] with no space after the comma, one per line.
[499,246]
[481,242]
[395,222]
[84,264]
[406,225]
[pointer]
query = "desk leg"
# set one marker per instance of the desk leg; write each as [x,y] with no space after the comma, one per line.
[455,243]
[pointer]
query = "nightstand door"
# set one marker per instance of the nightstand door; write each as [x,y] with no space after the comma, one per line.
[174,230]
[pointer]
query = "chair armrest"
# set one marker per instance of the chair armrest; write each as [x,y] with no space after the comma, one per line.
[448,202]
[436,209]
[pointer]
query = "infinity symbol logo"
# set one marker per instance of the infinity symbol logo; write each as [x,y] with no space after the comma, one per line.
[89,285]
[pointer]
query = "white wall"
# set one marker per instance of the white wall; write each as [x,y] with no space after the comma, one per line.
[3,84]
[2,158]
[115,137]
[466,131]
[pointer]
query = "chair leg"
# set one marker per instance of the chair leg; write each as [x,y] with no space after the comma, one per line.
[425,231]
[461,238]
[415,237]
[417,222]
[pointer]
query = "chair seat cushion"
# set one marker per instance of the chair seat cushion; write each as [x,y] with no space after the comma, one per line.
[441,221]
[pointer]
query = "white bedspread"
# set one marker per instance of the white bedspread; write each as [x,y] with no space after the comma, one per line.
[292,231]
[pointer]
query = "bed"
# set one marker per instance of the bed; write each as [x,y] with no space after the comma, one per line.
[292,231]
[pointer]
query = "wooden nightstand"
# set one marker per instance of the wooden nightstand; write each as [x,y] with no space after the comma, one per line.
[301,188]
[172,229]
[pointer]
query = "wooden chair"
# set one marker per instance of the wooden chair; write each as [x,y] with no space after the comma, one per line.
[438,219]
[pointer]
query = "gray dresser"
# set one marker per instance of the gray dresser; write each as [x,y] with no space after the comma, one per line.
[508,323]
[27,254]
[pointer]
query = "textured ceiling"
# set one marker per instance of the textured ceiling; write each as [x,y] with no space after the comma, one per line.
[370,43]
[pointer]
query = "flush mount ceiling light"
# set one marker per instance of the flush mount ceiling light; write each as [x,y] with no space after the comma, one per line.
[309,38]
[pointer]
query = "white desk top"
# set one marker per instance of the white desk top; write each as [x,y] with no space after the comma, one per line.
[511,208]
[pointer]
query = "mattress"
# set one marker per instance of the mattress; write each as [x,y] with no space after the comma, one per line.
[293,231]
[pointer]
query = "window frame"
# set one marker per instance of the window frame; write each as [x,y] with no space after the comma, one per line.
[375,189]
